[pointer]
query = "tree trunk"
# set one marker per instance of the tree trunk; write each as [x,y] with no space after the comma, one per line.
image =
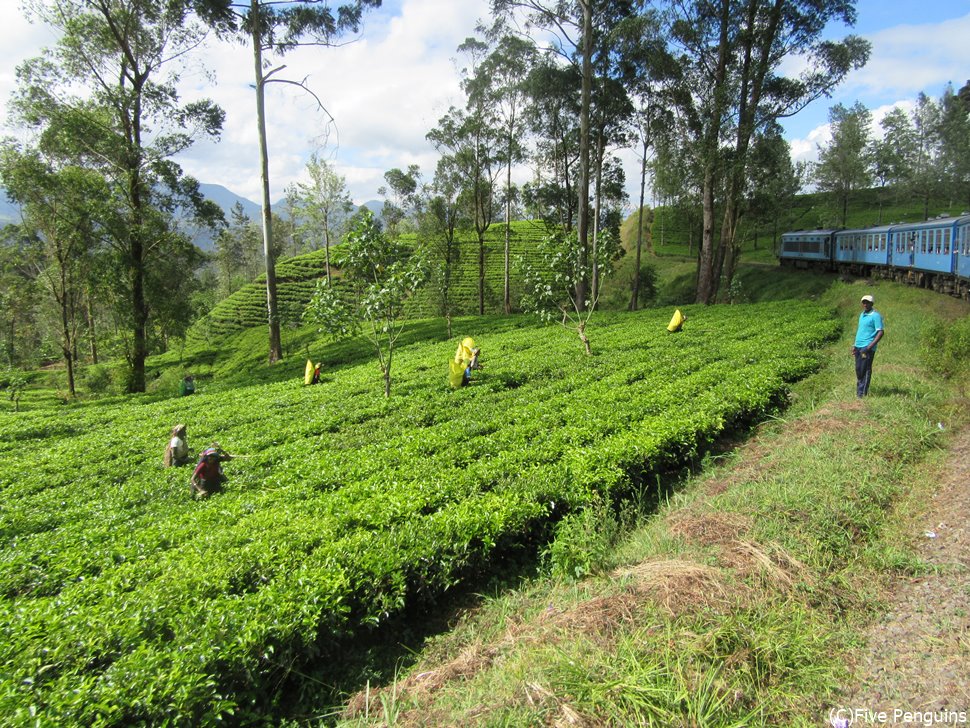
[507,289]
[582,208]
[91,333]
[601,143]
[275,344]
[481,273]
[635,298]
[705,265]
[706,281]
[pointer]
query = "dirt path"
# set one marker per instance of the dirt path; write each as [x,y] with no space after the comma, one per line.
[917,657]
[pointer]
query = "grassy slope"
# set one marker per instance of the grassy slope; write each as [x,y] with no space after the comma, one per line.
[741,599]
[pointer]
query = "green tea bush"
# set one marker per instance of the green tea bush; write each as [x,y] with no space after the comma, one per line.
[124,602]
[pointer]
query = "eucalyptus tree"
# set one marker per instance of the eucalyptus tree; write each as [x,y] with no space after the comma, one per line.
[927,165]
[641,58]
[273,28]
[775,181]
[553,114]
[323,205]
[501,79]
[470,140]
[844,164]
[402,198]
[104,98]
[59,209]
[238,252]
[442,214]
[19,295]
[577,32]
[955,144]
[728,82]
[892,154]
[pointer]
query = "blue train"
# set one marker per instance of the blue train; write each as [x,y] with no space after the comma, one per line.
[932,254]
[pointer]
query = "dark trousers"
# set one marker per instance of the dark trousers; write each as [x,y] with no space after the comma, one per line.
[863,371]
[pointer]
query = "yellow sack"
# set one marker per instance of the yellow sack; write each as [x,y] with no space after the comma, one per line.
[464,352]
[308,374]
[676,322]
[456,373]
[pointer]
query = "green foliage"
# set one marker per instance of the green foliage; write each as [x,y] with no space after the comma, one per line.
[558,288]
[583,541]
[380,280]
[101,379]
[945,346]
[122,601]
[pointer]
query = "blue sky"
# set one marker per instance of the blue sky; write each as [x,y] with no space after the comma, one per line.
[387,89]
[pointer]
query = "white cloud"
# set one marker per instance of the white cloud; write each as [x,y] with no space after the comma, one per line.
[384,92]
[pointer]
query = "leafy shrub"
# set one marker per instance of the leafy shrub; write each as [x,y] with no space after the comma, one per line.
[945,346]
[101,379]
[583,542]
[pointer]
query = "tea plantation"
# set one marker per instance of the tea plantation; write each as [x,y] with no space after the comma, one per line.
[124,601]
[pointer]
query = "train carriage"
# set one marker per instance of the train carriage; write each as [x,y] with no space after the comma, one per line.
[931,254]
[963,257]
[863,250]
[926,253]
[807,249]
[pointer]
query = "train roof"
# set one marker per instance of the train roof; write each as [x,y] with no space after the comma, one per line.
[874,229]
[809,232]
[933,222]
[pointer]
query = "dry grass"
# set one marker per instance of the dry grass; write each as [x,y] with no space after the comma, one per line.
[708,529]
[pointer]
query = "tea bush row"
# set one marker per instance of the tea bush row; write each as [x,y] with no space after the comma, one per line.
[124,601]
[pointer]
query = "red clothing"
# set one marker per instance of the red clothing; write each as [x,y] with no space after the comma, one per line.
[207,471]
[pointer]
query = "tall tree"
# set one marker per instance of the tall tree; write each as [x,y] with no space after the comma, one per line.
[103,99]
[470,140]
[275,28]
[19,258]
[502,79]
[892,154]
[844,163]
[323,205]
[927,165]
[442,214]
[955,144]
[728,83]
[58,207]
[579,29]
[552,114]
[402,199]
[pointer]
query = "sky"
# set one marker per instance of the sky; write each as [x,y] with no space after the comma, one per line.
[385,90]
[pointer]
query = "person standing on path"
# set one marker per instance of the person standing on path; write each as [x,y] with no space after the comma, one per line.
[867,336]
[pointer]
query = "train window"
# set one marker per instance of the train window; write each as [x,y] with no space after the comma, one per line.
[946,242]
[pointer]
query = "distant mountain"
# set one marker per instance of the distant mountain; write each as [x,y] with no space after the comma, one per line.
[226,199]
[223,197]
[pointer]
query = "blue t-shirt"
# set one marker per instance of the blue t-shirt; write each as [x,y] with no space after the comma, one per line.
[869,323]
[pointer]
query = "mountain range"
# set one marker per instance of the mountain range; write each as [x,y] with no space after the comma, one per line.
[223,197]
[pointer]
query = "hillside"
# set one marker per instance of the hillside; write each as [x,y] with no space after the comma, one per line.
[631,576]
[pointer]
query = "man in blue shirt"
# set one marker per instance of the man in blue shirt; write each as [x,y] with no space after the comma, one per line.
[866,337]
